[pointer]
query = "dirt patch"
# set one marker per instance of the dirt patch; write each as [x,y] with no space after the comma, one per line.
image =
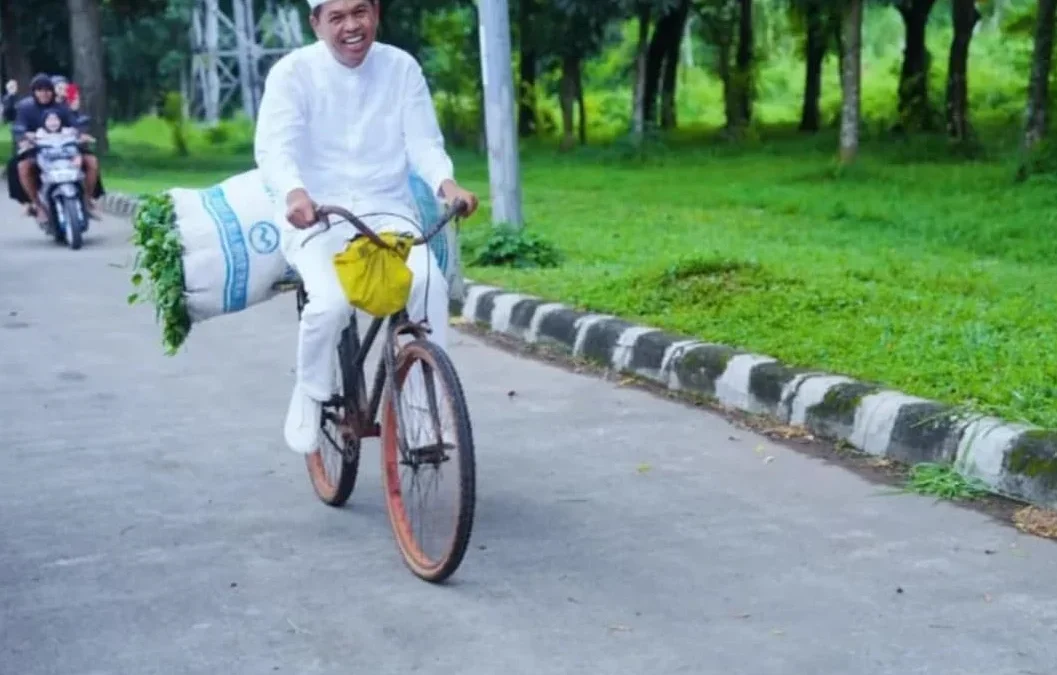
[877,470]
[1036,521]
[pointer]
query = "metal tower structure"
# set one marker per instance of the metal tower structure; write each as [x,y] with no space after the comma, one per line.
[232,50]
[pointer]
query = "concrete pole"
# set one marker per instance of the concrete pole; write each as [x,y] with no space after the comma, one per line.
[243,37]
[504,171]
[211,71]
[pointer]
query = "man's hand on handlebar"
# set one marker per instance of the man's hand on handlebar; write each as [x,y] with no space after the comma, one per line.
[300,209]
[453,192]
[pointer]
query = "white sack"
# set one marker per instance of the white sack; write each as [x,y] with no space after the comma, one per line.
[231,246]
[232,258]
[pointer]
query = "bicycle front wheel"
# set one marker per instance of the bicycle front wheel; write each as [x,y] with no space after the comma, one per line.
[428,449]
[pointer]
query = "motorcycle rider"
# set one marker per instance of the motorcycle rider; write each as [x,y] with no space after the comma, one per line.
[29,116]
[67,92]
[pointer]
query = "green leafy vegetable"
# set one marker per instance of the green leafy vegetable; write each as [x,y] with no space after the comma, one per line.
[158,275]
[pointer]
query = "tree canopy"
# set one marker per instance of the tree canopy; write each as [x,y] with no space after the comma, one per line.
[564,47]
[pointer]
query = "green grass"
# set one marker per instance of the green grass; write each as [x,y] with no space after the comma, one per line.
[930,275]
[943,482]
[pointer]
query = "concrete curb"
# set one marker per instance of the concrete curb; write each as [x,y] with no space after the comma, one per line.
[118,204]
[1015,460]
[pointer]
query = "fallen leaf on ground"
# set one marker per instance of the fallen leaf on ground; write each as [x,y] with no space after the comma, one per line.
[1033,520]
[987,597]
[643,468]
[620,628]
[768,459]
[788,432]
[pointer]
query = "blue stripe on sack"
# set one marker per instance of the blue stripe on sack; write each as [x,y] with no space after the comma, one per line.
[233,245]
[223,246]
[429,213]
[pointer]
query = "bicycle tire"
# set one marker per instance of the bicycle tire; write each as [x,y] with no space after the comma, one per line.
[335,491]
[428,569]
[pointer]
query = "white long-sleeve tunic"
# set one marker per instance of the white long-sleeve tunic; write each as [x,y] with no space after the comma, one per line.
[349,135]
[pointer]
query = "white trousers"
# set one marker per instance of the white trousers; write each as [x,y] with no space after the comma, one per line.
[328,310]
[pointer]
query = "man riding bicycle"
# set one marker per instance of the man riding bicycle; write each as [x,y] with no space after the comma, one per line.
[341,122]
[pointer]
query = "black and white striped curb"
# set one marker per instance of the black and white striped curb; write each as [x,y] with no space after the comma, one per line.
[118,204]
[1015,460]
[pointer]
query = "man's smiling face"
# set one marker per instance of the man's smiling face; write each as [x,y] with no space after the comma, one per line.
[347,27]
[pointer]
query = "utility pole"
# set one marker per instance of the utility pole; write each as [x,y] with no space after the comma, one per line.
[504,171]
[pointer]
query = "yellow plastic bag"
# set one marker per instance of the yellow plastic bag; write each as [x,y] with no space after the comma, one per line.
[376,279]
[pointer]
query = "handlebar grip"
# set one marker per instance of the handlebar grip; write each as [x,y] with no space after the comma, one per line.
[459,207]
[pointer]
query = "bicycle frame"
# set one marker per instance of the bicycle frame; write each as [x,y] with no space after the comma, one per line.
[361,423]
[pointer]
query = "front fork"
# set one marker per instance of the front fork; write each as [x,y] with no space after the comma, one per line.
[403,326]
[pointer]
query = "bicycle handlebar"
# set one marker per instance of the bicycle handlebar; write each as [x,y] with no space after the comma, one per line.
[324,211]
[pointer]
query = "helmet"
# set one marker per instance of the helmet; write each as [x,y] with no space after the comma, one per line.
[59,79]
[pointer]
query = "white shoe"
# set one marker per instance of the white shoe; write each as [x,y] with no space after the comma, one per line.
[302,422]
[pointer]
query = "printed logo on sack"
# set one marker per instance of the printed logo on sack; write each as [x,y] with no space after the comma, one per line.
[264,237]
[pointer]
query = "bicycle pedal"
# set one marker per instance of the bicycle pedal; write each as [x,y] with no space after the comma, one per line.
[334,401]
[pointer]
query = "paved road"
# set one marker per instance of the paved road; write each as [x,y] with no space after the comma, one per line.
[151,522]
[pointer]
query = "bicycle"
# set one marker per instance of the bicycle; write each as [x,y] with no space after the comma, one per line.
[353,415]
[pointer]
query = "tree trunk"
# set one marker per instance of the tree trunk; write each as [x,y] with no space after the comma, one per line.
[526,119]
[655,55]
[638,112]
[743,62]
[669,76]
[964,17]
[850,81]
[836,30]
[567,99]
[815,53]
[580,103]
[16,62]
[726,76]
[913,107]
[1039,83]
[89,69]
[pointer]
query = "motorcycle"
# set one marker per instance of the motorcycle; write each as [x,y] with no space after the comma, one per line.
[62,186]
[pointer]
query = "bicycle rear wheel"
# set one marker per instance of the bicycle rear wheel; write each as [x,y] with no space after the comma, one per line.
[432,437]
[334,465]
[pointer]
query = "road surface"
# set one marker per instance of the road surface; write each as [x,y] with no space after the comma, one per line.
[152,522]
